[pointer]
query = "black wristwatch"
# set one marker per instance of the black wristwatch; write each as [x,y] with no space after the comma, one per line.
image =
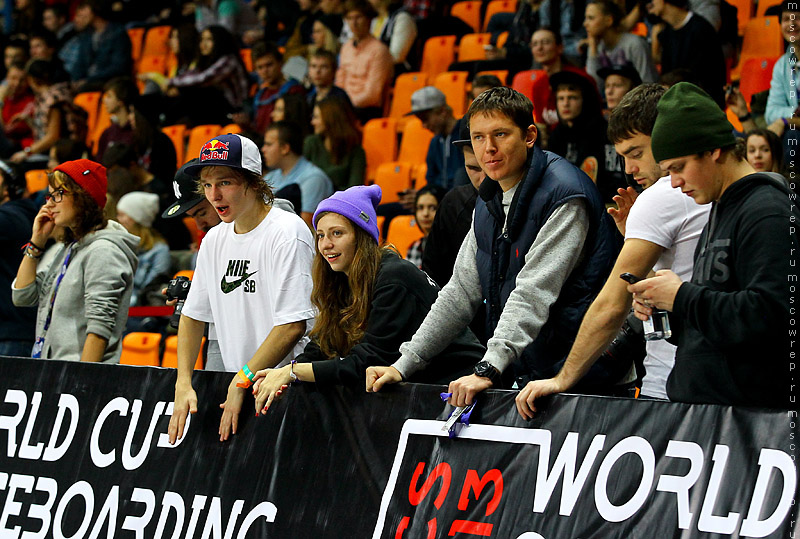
[486,370]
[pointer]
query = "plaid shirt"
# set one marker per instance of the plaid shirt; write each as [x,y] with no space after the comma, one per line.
[414,254]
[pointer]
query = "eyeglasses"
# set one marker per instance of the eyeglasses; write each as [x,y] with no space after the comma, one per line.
[56,196]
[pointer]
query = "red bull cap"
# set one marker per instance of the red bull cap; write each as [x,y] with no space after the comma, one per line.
[233,151]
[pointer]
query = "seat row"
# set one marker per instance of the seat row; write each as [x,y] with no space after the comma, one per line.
[143,349]
[469,11]
[454,85]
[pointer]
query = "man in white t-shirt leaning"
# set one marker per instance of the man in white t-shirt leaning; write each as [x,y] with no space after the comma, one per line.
[661,230]
[253,280]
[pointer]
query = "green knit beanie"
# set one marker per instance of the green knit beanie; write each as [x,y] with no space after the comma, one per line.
[689,122]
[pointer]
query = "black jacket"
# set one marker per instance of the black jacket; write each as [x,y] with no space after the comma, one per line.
[16,220]
[695,46]
[402,297]
[450,226]
[734,316]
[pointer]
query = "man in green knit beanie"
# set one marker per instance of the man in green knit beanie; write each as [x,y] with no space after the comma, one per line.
[731,320]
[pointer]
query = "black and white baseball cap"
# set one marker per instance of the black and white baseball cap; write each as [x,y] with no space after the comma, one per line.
[185,187]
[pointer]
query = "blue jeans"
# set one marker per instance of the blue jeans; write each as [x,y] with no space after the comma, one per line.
[16,348]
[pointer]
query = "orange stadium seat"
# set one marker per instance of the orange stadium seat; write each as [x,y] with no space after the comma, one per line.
[471,47]
[498,6]
[380,221]
[151,63]
[744,12]
[454,86]
[36,180]
[468,11]
[393,177]
[764,5]
[156,41]
[90,102]
[177,134]
[418,175]
[189,274]
[194,232]
[414,142]
[103,123]
[198,136]
[230,129]
[523,81]
[501,39]
[756,76]
[762,39]
[136,36]
[140,348]
[501,74]
[737,125]
[437,55]
[403,231]
[170,359]
[405,85]
[172,64]
[639,29]
[247,59]
[379,140]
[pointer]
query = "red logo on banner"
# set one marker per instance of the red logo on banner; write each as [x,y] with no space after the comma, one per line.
[472,484]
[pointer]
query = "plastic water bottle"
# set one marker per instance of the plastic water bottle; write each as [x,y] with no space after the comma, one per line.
[657,326]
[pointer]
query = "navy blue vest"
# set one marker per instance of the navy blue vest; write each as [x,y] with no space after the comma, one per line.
[549,182]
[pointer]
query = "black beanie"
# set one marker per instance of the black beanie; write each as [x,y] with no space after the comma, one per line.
[689,122]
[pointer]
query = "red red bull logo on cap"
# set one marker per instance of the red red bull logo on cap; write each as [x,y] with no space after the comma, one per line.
[214,149]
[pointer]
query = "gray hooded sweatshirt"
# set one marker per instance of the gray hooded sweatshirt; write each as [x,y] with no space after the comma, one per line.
[93,297]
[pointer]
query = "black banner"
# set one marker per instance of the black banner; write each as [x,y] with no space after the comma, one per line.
[83,454]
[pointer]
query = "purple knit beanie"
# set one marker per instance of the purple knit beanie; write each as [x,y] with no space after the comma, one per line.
[358,204]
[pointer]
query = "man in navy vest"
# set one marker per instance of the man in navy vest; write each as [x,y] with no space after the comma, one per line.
[540,248]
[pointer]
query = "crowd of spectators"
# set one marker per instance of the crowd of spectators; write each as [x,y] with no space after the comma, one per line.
[297,82]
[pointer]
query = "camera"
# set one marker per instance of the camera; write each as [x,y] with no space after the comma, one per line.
[178,289]
[626,348]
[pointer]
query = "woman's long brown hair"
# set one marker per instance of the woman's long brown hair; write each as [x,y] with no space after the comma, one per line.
[343,301]
[341,131]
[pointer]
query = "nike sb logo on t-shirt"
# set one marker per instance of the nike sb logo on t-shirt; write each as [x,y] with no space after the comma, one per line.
[238,268]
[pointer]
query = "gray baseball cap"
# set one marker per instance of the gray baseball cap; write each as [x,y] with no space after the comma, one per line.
[427,98]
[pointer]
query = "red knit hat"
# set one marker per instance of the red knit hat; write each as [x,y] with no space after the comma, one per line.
[90,176]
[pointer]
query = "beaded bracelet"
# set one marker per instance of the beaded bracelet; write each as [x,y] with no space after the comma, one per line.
[32,251]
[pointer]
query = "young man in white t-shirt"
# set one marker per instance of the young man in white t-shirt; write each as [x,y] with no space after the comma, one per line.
[661,228]
[253,280]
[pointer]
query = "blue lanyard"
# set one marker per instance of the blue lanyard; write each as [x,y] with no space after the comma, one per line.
[39,344]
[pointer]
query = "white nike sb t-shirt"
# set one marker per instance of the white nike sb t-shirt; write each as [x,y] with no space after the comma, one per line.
[248,283]
[665,216]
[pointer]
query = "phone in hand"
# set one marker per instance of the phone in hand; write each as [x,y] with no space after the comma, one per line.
[657,326]
[630,278]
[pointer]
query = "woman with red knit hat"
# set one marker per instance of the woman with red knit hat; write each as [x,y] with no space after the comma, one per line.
[82,284]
